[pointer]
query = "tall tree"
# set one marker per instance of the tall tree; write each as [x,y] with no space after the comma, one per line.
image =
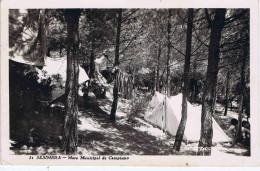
[227,92]
[245,34]
[238,135]
[216,25]
[117,46]
[158,68]
[185,91]
[43,33]
[70,137]
[92,60]
[168,80]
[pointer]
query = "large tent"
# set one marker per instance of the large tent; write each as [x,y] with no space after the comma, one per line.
[166,113]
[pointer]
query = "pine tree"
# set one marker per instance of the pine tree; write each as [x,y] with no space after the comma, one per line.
[209,89]
[70,137]
[185,91]
[117,46]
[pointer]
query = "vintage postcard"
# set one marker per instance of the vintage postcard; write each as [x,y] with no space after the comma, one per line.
[130,83]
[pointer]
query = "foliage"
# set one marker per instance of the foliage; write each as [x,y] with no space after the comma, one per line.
[139,107]
[26,97]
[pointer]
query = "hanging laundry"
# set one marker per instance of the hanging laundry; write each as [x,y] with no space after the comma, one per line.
[124,83]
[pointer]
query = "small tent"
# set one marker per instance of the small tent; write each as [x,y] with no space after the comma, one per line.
[55,69]
[166,113]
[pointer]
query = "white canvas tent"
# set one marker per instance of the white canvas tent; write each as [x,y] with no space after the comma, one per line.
[166,113]
[55,69]
[54,66]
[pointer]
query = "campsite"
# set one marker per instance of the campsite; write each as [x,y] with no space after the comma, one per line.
[129,82]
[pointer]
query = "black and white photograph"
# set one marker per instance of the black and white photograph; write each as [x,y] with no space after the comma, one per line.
[113,83]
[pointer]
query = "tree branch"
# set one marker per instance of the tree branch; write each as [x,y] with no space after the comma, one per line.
[207,16]
[134,37]
[172,44]
[235,17]
[223,66]
[108,59]
[202,43]
[125,18]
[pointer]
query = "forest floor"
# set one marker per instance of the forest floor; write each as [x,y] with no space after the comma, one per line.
[127,136]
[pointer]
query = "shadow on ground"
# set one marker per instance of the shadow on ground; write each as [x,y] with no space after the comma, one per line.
[119,138]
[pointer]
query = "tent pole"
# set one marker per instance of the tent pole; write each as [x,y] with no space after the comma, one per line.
[165,110]
[165,113]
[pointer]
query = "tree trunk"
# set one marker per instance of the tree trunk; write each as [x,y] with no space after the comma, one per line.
[92,60]
[158,69]
[70,138]
[60,50]
[227,93]
[209,87]
[238,136]
[60,42]
[185,91]
[43,32]
[215,98]
[162,81]
[193,94]
[115,89]
[37,48]
[154,80]
[168,79]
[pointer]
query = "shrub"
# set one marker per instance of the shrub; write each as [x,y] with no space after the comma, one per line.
[139,107]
